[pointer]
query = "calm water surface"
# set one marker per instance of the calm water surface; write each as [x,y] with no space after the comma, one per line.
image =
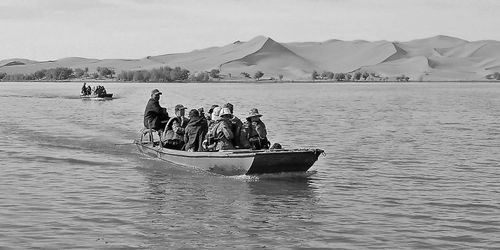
[407,166]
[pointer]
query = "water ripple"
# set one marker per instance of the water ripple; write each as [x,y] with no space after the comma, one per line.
[407,166]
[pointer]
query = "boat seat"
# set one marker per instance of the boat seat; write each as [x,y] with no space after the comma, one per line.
[145,133]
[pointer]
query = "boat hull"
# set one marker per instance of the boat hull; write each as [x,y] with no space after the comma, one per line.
[238,162]
[97,97]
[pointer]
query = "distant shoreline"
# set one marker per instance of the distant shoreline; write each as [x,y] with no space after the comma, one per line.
[244,81]
[262,59]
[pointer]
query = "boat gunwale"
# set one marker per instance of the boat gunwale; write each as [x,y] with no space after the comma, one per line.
[96,96]
[244,153]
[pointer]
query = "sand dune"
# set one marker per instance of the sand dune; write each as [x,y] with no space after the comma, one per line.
[413,67]
[341,56]
[272,57]
[212,58]
[434,58]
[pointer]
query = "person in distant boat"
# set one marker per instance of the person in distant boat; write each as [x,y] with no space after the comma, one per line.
[84,89]
[195,131]
[155,116]
[235,124]
[173,136]
[100,90]
[255,130]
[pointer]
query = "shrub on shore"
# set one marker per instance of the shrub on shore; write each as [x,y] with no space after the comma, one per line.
[162,74]
[54,74]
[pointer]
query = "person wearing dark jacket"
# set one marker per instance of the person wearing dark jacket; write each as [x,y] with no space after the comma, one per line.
[255,130]
[221,131]
[155,116]
[195,131]
[235,124]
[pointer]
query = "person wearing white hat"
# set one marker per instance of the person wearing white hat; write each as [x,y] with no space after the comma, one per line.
[220,135]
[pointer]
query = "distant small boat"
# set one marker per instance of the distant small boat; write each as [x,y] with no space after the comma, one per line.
[235,162]
[96,93]
[97,97]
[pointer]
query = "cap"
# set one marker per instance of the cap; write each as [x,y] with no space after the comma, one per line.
[155,92]
[179,107]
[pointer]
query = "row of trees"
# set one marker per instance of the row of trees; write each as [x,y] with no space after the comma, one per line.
[356,76]
[162,74]
[167,74]
[58,74]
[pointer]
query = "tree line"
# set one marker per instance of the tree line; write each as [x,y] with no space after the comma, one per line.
[162,74]
[356,76]
[168,74]
[58,74]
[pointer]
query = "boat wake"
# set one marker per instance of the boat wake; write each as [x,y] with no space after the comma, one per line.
[281,176]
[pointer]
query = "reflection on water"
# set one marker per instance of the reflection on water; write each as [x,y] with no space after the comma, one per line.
[218,206]
[407,166]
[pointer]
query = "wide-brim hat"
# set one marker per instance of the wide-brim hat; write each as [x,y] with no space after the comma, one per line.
[253,113]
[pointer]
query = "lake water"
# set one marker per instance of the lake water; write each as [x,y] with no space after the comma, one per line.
[407,166]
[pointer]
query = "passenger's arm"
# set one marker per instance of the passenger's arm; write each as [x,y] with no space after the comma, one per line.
[227,132]
[176,127]
[186,138]
[261,130]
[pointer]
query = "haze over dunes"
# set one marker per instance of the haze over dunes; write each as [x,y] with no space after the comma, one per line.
[435,58]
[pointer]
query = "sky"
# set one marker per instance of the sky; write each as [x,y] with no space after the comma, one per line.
[130,29]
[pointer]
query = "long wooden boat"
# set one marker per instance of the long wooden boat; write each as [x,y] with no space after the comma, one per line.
[235,162]
[97,97]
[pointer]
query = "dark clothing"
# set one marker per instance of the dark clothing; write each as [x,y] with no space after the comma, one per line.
[244,135]
[194,133]
[257,134]
[174,132]
[236,125]
[84,89]
[223,134]
[219,136]
[154,115]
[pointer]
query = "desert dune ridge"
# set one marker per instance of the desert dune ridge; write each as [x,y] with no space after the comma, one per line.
[436,58]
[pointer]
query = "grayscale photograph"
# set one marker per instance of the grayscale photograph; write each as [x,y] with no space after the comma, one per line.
[249,124]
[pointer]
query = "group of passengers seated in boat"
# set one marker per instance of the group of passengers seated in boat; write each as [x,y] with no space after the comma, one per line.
[98,91]
[219,129]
